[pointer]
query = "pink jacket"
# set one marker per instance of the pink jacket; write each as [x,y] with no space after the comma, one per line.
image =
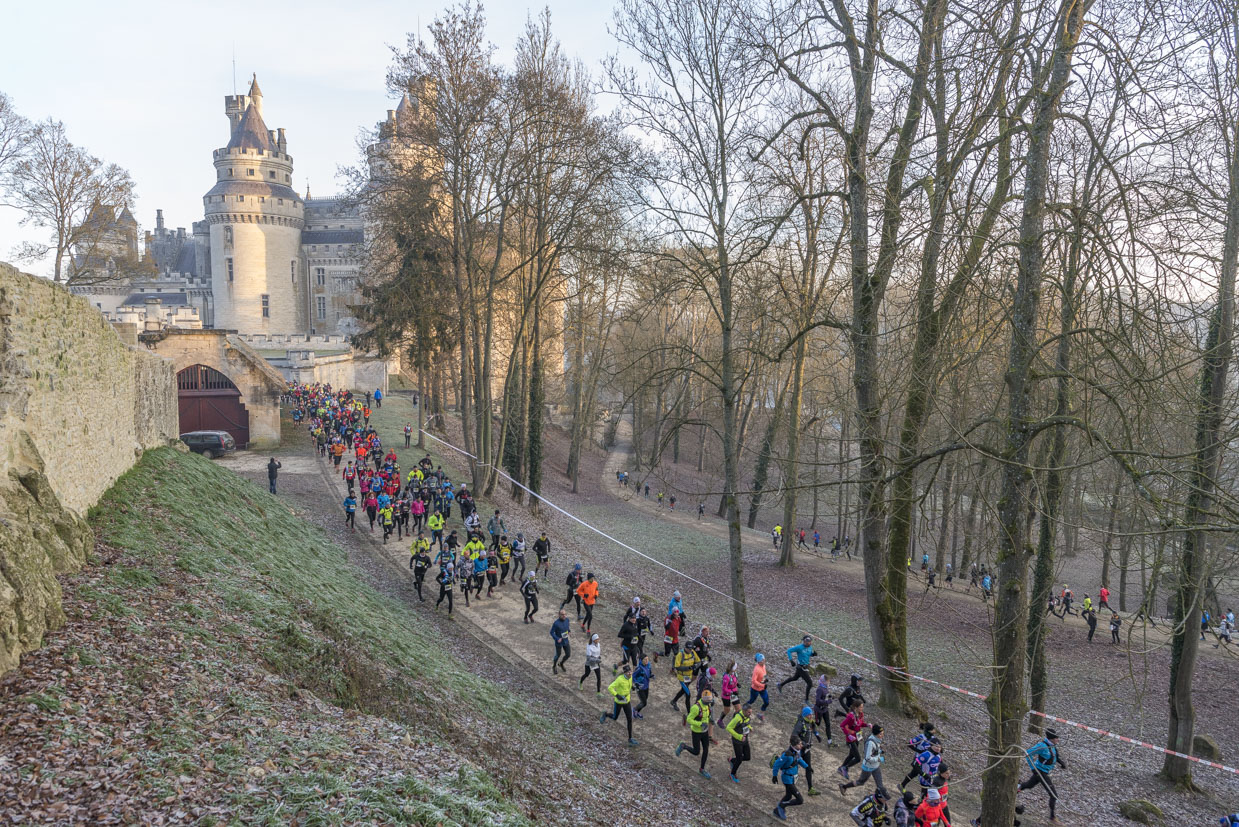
[418,507]
[729,686]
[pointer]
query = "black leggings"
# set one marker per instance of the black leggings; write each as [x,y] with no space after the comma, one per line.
[418,577]
[615,713]
[701,746]
[807,755]
[801,674]
[597,676]
[350,519]
[589,615]
[372,513]
[572,595]
[853,755]
[822,719]
[791,796]
[445,592]
[740,754]
[644,695]
[1042,778]
[531,606]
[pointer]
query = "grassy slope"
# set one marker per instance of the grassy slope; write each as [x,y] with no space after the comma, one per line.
[260,581]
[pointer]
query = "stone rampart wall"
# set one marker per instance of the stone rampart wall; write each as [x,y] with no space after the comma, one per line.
[78,406]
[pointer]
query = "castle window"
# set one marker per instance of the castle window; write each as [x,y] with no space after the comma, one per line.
[287,177]
[249,172]
[266,306]
[281,200]
[292,269]
[230,171]
[321,275]
[228,263]
[322,307]
[272,173]
[240,197]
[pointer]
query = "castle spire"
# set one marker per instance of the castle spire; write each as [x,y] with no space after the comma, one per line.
[255,94]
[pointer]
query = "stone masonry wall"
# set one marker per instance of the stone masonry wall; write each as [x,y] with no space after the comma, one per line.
[78,406]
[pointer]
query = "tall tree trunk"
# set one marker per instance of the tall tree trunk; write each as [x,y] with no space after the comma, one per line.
[1108,541]
[1193,566]
[791,472]
[535,408]
[761,468]
[944,518]
[1056,477]
[1006,701]
[970,522]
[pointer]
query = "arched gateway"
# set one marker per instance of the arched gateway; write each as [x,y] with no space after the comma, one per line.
[209,401]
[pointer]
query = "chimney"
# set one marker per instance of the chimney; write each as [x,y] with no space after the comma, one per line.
[180,233]
[282,142]
[159,221]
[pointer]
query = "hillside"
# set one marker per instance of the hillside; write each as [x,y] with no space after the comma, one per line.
[223,662]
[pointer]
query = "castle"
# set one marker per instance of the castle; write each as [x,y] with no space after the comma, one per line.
[263,261]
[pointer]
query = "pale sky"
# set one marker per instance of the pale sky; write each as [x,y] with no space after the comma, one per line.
[142,84]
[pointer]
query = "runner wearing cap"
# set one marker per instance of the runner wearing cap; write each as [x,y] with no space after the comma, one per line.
[785,769]
[798,656]
[930,811]
[1042,757]
[593,663]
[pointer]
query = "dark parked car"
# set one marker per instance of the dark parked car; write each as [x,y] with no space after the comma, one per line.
[210,444]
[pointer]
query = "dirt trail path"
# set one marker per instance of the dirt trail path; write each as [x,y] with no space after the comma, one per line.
[528,649]
[496,623]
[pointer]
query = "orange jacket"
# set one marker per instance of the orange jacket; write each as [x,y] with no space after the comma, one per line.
[759,677]
[588,591]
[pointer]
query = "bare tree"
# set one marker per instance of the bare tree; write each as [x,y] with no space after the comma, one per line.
[60,187]
[703,90]
[1007,704]
[14,132]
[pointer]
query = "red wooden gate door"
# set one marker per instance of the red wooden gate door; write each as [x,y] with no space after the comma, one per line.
[208,401]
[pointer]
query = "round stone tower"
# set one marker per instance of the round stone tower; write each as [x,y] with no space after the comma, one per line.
[255,220]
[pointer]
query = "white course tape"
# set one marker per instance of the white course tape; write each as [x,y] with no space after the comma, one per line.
[891,669]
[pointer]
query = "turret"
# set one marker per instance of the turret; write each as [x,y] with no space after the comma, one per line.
[255,93]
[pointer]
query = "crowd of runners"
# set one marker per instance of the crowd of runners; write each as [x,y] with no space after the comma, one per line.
[462,555]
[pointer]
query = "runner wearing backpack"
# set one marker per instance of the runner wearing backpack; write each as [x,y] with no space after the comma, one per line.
[784,768]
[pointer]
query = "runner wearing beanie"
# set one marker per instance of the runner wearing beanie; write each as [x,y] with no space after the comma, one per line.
[871,762]
[930,811]
[757,684]
[871,811]
[804,730]
[699,721]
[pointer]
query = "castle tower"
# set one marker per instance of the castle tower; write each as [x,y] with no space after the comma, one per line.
[255,219]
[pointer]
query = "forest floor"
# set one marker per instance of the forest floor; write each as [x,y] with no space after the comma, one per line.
[1119,688]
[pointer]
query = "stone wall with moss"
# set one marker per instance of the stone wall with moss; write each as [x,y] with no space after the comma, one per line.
[78,406]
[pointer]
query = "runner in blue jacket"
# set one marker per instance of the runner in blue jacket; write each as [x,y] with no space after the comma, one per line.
[786,767]
[1042,757]
[798,656]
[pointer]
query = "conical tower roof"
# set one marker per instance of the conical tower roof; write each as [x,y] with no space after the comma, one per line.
[255,92]
[251,132]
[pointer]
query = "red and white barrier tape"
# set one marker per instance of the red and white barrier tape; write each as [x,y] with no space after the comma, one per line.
[891,669]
